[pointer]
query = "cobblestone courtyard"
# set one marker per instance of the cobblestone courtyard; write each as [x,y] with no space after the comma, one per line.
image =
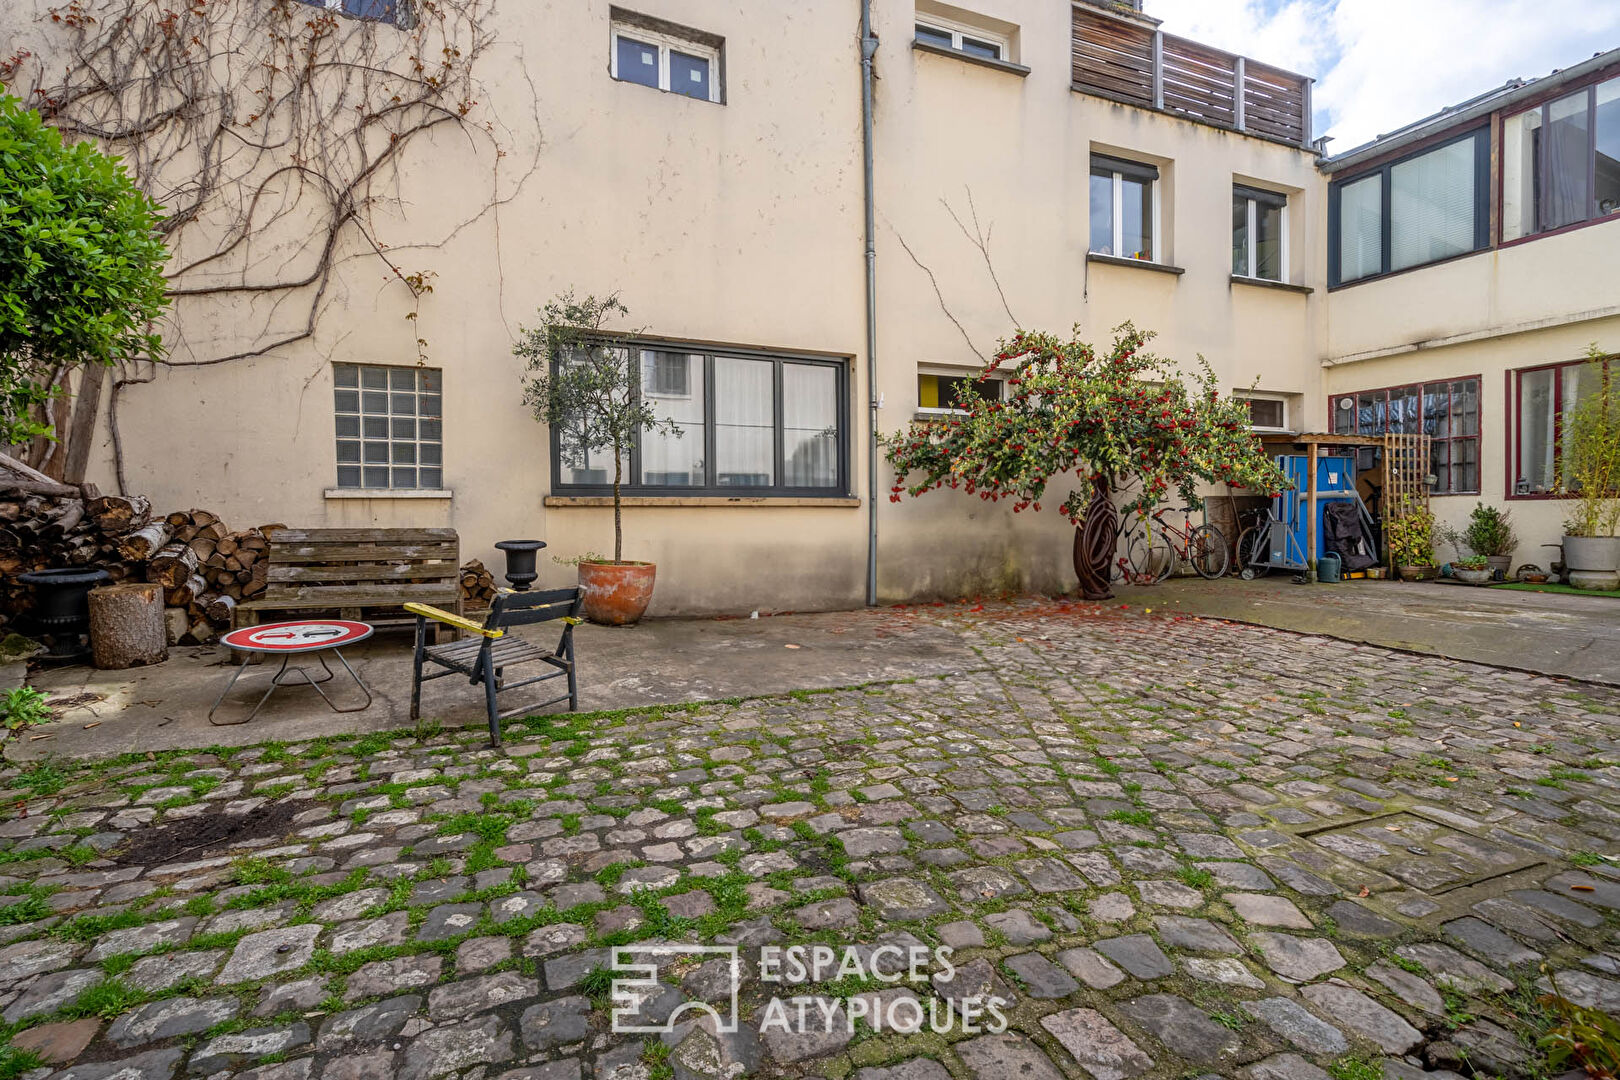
[1174,847]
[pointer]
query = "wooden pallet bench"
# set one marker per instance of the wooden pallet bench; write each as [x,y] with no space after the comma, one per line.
[366,574]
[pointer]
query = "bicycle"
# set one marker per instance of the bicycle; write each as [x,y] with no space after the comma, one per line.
[1154,557]
[1253,543]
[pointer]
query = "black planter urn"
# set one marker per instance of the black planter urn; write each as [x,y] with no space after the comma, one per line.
[62,606]
[520,557]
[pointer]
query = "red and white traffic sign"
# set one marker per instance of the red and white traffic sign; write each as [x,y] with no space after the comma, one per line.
[288,637]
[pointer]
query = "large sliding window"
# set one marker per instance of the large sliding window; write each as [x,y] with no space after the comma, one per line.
[1542,399]
[1425,207]
[1561,162]
[733,422]
[1447,412]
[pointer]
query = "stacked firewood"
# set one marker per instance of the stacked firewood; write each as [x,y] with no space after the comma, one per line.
[204,567]
[477,586]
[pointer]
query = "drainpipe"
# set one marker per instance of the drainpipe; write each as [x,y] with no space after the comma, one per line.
[869,44]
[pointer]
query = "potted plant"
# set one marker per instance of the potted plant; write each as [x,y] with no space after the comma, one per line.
[1475,570]
[1590,471]
[585,386]
[1410,531]
[1490,533]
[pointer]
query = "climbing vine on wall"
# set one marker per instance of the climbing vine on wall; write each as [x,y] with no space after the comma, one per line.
[276,135]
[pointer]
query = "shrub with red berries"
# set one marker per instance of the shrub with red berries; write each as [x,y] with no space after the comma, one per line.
[1125,414]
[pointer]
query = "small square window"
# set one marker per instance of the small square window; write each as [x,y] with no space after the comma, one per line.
[1268,413]
[650,52]
[377,428]
[968,40]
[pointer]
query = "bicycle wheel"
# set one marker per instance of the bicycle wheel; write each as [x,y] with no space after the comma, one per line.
[1206,548]
[1151,562]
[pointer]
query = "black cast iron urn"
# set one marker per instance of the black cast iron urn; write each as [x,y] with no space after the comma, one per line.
[520,557]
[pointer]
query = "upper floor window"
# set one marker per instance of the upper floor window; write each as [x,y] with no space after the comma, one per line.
[973,41]
[665,57]
[1561,162]
[1541,402]
[390,430]
[398,12]
[1447,412]
[739,423]
[1422,208]
[1124,208]
[1259,234]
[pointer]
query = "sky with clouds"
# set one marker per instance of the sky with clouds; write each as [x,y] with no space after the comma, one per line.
[1380,64]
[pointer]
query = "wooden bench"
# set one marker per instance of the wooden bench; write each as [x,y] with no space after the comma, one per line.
[365,574]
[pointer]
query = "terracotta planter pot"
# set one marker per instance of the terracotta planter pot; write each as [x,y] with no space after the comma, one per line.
[1416,573]
[616,594]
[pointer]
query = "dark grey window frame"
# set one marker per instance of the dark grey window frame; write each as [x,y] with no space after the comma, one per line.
[1482,207]
[840,490]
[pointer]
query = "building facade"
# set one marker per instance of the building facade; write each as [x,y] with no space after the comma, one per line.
[1473,261]
[1035,165]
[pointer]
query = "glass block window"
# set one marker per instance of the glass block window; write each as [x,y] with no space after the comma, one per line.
[390,426]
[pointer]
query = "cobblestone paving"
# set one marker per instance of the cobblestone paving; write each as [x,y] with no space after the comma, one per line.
[1175,848]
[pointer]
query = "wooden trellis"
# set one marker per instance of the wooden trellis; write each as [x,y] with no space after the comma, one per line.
[1406,480]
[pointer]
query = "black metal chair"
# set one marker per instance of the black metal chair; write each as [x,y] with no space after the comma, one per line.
[485,656]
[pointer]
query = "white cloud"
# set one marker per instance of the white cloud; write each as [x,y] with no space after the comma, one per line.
[1381,64]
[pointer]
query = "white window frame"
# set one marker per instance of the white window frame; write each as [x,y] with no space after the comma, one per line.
[1280,399]
[1253,241]
[664,43]
[947,372]
[1118,242]
[960,30]
[404,12]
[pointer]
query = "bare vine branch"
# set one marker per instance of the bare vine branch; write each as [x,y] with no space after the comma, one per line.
[276,134]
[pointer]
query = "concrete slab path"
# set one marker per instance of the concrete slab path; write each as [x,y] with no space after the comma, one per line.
[1548,633]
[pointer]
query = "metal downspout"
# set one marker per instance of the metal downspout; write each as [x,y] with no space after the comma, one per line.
[869,44]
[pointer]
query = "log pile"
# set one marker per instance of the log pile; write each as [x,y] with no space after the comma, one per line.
[203,567]
[477,586]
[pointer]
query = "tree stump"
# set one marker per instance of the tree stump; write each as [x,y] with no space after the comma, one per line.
[126,625]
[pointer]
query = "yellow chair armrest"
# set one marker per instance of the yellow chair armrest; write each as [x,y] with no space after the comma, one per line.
[428,611]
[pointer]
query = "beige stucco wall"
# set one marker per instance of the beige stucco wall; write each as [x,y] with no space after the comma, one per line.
[741,223]
[1488,314]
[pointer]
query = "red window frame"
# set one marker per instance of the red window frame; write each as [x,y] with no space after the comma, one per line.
[1515,433]
[1450,440]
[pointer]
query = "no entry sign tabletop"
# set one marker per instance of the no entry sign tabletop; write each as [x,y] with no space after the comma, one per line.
[290,637]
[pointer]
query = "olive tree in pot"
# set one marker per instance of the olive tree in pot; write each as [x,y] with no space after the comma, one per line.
[585,386]
[1590,471]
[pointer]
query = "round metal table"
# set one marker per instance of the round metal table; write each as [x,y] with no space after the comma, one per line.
[289,639]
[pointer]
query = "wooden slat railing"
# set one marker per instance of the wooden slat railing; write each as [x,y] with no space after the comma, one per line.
[1128,61]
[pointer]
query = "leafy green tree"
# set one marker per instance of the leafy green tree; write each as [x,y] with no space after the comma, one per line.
[587,385]
[81,265]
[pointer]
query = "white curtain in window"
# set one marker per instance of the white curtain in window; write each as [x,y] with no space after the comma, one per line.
[809,425]
[744,422]
[672,386]
[1361,211]
[1536,429]
[1521,157]
[1432,206]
